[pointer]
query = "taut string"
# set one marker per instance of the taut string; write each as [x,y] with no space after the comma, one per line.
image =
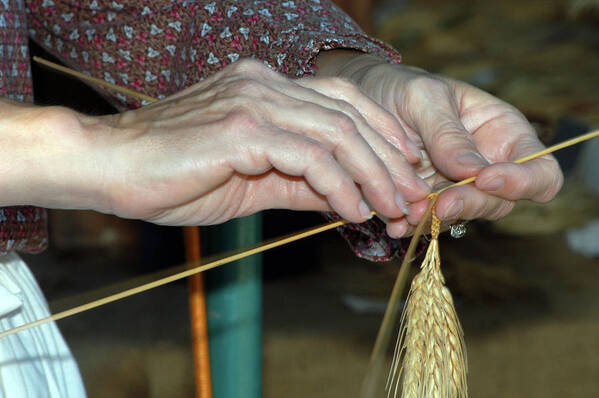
[191,268]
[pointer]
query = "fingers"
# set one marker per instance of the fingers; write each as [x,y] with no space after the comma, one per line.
[326,141]
[378,117]
[402,227]
[293,193]
[300,156]
[493,195]
[467,202]
[330,119]
[385,176]
[432,110]
[458,203]
[356,145]
[499,132]
[397,229]
[339,134]
[538,180]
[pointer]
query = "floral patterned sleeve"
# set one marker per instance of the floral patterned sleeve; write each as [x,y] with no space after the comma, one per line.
[21,227]
[159,47]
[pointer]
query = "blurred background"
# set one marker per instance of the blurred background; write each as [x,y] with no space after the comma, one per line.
[526,287]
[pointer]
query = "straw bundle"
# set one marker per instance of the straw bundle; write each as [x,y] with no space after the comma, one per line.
[429,359]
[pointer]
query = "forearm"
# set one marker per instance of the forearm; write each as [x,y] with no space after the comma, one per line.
[45,161]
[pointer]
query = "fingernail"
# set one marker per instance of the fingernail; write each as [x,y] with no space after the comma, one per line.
[401,203]
[414,149]
[454,210]
[423,185]
[495,184]
[401,231]
[472,159]
[365,210]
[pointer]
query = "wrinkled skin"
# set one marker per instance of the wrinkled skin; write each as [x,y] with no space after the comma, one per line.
[464,132]
[249,139]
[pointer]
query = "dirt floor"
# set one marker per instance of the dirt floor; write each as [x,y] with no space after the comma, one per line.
[531,320]
[529,306]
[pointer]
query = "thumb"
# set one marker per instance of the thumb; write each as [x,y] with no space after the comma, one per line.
[433,112]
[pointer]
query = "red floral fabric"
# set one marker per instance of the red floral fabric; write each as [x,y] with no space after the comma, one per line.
[21,227]
[159,47]
[15,75]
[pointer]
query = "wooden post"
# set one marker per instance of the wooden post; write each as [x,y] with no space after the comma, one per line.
[197,312]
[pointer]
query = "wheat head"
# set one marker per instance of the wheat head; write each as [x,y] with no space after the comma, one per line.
[430,358]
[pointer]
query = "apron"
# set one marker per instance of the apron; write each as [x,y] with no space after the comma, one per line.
[34,363]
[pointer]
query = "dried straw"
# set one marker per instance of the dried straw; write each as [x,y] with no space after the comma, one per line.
[429,358]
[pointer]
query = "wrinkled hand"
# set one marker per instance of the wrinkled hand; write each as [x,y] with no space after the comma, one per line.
[249,139]
[465,132]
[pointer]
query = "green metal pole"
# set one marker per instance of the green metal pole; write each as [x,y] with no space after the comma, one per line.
[234,304]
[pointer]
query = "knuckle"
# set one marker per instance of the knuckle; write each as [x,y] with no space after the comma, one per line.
[344,85]
[243,86]
[344,124]
[348,109]
[501,210]
[557,181]
[426,83]
[246,65]
[381,187]
[240,120]
[519,188]
[336,186]
[388,121]
[422,90]
[253,68]
[318,153]
[57,116]
[450,135]
[319,160]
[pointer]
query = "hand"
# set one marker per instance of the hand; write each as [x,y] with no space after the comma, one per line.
[244,140]
[465,132]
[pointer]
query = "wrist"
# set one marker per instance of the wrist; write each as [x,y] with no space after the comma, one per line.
[47,158]
[349,64]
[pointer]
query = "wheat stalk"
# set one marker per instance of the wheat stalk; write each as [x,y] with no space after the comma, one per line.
[430,358]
